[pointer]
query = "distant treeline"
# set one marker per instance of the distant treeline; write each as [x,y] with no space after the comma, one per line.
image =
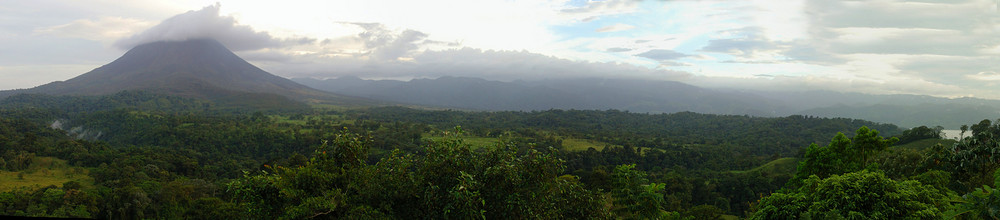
[744,134]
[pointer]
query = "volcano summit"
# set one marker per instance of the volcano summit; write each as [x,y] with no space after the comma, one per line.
[198,68]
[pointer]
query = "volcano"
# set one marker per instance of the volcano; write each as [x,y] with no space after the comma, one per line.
[198,68]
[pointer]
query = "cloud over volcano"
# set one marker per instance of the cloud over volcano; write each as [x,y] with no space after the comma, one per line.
[208,23]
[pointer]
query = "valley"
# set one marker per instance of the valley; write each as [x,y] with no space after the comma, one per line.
[181,127]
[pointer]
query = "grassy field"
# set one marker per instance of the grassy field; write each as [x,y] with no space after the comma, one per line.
[783,165]
[45,171]
[926,143]
[284,119]
[576,144]
[474,142]
[334,107]
[569,144]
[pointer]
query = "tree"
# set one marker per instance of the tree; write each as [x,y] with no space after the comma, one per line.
[964,129]
[449,180]
[836,158]
[981,203]
[705,212]
[842,155]
[920,133]
[974,159]
[982,127]
[868,143]
[858,195]
[634,197]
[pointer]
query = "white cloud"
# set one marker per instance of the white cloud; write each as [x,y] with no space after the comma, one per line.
[618,49]
[985,76]
[207,23]
[662,54]
[593,10]
[103,29]
[386,45]
[489,64]
[615,28]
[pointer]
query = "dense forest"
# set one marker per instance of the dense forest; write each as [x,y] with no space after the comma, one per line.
[140,155]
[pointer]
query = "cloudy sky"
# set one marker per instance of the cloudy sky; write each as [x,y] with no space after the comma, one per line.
[948,48]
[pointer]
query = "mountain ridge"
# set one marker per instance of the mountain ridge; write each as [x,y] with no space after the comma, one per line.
[663,97]
[590,93]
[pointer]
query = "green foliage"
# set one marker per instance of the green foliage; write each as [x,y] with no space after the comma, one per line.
[634,197]
[920,133]
[981,203]
[974,159]
[901,163]
[45,171]
[744,134]
[935,178]
[449,181]
[925,143]
[705,212]
[153,162]
[868,142]
[842,155]
[62,106]
[856,195]
[48,201]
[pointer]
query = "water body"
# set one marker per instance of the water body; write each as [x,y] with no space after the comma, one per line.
[954,134]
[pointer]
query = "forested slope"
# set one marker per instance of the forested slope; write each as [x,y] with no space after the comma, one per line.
[196,161]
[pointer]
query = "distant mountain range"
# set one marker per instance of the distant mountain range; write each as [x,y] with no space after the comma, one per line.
[205,69]
[662,97]
[199,68]
[601,94]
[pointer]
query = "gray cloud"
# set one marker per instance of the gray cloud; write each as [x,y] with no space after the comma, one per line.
[802,51]
[488,64]
[796,83]
[384,44]
[752,41]
[898,14]
[595,9]
[956,28]
[662,54]
[913,41]
[102,29]
[265,56]
[668,63]
[939,42]
[950,69]
[382,49]
[618,49]
[207,23]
